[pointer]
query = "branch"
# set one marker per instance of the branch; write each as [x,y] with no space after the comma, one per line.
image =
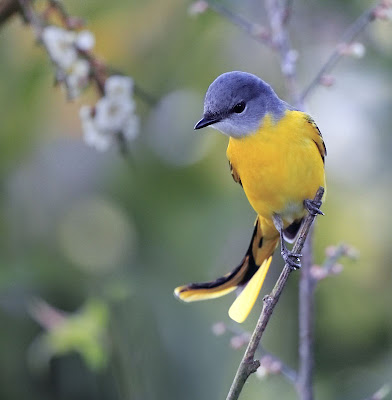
[330,265]
[348,37]
[276,366]
[255,31]
[248,365]
[304,384]
[310,276]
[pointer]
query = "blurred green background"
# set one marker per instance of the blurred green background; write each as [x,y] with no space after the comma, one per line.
[106,239]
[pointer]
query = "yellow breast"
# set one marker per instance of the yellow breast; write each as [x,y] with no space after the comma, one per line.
[279,165]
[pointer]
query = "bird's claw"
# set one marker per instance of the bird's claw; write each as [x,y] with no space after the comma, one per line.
[313,207]
[292,259]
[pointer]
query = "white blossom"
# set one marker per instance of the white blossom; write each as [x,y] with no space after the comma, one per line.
[114,113]
[357,49]
[100,140]
[354,49]
[85,40]
[60,45]
[77,77]
[117,86]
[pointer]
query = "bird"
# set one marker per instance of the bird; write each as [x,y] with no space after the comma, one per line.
[277,154]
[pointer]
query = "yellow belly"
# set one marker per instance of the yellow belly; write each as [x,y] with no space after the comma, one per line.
[279,166]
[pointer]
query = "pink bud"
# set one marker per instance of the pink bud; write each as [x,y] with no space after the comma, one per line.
[330,251]
[318,272]
[327,80]
[198,7]
[337,269]
[218,329]
[237,342]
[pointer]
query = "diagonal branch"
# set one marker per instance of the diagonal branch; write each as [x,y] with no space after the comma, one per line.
[248,364]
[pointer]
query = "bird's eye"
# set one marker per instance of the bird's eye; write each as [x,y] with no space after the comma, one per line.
[238,108]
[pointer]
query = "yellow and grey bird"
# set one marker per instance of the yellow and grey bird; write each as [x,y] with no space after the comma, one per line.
[276,153]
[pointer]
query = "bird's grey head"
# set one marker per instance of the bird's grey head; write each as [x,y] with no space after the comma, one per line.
[236,102]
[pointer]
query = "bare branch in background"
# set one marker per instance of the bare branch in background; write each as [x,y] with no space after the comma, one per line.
[330,265]
[348,37]
[310,275]
[255,31]
[306,324]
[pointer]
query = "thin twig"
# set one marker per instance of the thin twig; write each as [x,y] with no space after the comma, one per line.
[347,38]
[330,265]
[287,372]
[248,364]
[255,31]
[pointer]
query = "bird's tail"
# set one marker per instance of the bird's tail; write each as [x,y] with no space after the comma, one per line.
[249,276]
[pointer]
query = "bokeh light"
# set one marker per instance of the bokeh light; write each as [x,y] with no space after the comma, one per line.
[96,235]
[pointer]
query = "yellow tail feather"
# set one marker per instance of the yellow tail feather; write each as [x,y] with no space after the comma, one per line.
[187,295]
[214,289]
[243,304]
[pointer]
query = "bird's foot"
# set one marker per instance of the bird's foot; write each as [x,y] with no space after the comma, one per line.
[291,259]
[313,207]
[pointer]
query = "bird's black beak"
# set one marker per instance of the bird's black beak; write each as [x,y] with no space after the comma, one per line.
[206,121]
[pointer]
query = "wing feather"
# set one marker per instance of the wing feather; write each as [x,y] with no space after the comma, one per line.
[317,137]
[234,174]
